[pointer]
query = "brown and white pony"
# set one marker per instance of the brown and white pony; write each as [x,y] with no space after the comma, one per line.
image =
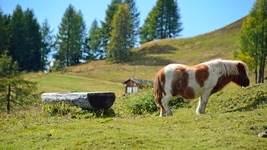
[201,80]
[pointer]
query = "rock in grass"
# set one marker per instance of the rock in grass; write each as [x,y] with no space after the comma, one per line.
[85,100]
[263,134]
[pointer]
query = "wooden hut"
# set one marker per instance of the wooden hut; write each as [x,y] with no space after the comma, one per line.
[132,85]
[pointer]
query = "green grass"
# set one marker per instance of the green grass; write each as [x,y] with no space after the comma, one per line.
[56,82]
[234,118]
[234,115]
[185,130]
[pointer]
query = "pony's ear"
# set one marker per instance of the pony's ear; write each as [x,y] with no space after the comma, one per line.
[241,68]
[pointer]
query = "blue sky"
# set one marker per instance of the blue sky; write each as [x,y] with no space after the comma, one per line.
[198,16]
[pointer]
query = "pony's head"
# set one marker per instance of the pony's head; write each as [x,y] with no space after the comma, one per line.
[242,77]
[230,70]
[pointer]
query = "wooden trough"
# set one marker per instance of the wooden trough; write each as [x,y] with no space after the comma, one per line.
[85,100]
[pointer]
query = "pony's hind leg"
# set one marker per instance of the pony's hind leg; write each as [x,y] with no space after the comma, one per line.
[162,111]
[165,103]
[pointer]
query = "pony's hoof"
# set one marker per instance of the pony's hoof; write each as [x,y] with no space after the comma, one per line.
[199,113]
[169,114]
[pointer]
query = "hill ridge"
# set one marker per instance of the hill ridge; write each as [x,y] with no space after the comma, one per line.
[233,26]
[215,44]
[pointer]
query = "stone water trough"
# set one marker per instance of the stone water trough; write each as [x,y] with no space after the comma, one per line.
[85,100]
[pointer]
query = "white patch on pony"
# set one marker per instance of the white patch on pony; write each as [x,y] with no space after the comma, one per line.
[192,82]
[169,72]
[222,67]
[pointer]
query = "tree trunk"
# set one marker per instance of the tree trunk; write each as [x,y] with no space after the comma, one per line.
[261,69]
[260,74]
[256,71]
[8,99]
[256,75]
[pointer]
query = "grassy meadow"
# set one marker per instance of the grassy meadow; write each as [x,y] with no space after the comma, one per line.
[185,130]
[234,115]
[234,118]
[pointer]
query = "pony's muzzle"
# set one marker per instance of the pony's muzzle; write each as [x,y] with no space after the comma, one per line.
[246,83]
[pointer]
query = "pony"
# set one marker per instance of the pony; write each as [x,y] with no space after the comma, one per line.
[201,80]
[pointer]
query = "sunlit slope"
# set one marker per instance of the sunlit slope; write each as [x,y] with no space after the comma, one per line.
[216,44]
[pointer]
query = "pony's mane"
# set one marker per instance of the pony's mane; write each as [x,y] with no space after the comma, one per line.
[225,67]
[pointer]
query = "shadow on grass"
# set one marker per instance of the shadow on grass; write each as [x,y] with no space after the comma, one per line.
[141,57]
[258,100]
[150,61]
[105,113]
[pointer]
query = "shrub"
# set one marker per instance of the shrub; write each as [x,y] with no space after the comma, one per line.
[142,102]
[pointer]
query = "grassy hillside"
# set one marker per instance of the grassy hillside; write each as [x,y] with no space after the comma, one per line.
[216,44]
[147,60]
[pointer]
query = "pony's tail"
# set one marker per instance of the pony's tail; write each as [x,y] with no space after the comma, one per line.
[158,91]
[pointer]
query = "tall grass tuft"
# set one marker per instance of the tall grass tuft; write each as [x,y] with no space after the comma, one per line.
[142,102]
[62,109]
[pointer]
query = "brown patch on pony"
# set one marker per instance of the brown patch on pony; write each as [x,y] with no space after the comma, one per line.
[189,93]
[222,81]
[241,68]
[180,84]
[242,79]
[159,83]
[201,74]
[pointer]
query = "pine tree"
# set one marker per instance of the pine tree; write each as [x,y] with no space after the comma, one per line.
[173,23]
[47,43]
[13,88]
[33,43]
[253,38]
[94,41]
[121,35]
[80,39]
[18,37]
[106,25]
[162,22]
[4,36]
[135,18]
[71,38]
[25,40]
[148,30]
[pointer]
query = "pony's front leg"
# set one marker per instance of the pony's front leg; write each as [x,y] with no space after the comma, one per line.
[165,103]
[203,100]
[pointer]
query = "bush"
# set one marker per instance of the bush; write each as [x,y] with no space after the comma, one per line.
[142,102]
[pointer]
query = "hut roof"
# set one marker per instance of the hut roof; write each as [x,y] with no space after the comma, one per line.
[139,81]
